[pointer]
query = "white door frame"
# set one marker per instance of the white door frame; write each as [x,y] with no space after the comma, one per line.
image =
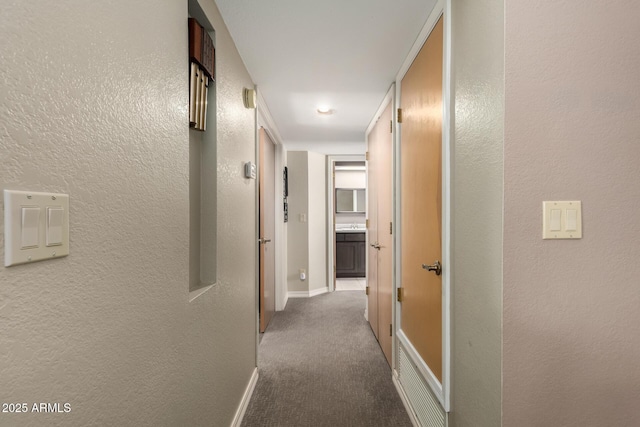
[441,390]
[331,227]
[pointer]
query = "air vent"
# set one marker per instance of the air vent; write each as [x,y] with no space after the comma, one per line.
[424,404]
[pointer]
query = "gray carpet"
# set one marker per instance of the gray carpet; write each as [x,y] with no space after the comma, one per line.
[320,365]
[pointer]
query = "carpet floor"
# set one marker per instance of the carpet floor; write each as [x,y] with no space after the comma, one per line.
[320,365]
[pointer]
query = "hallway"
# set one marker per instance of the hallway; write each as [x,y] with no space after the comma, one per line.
[320,365]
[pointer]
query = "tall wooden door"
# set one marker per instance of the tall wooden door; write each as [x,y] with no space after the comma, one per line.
[267,301]
[372,239]
[380,207]
[421,201]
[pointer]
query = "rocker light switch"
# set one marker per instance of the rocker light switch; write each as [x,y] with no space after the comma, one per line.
[36,226]
[54,226]
[562,220]
[30,227]
[555,220]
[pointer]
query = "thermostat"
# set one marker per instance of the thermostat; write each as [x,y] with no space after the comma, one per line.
[250,170]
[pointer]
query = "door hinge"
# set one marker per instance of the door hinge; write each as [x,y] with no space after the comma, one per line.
[366,224]
[399,115]
[366,155]
[366,290]
[400,294]
[390,126]
[390,330]
[391,228]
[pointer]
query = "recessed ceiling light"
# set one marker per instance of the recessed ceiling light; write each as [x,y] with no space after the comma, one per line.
[323,109]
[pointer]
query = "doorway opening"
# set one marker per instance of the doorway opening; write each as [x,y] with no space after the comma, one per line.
[346,204]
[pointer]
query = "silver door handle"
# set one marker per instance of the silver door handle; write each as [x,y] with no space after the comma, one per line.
[436,267]
[375,245]
[261,241]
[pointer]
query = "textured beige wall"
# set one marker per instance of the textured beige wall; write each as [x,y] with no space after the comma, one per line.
[306,241]
[571,317]
[317,221]
[477,184]
[93,103]
[281,232]
[297,232]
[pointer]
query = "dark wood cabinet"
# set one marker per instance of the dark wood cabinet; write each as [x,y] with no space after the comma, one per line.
[350,255]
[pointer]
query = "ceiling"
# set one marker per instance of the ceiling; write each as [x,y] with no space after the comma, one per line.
[341,53]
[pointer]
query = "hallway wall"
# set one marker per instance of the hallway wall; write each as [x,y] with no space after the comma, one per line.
[477,186]
[571,318]
[297,231]
[317,222]
[94,104]
[306,239]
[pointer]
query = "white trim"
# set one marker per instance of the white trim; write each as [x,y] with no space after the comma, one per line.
[319,291]
[331,227]
[441,390]
[405,400]
[448,114]
[256,187]
[196,293]
[266,120]
[387,99]
[422,37]
[307,294]
[351,168]
[244,403]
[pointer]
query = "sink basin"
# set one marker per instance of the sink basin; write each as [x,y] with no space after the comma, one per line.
[350,228]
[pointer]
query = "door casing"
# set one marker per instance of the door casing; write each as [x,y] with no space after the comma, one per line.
[442,389]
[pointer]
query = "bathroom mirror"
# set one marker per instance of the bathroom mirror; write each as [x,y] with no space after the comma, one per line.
[350,200]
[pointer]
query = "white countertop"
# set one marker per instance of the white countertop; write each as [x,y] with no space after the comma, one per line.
[349,228]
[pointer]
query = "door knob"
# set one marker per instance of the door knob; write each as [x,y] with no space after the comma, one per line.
[262,241]
[375,245]
[436,267]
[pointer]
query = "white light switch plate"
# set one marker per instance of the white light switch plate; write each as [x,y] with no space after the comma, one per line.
[562,220]
[15,251]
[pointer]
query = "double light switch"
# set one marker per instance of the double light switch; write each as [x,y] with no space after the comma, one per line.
[562,220]
[36,226]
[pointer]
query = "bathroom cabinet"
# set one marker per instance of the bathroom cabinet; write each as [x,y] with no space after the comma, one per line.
[350,254]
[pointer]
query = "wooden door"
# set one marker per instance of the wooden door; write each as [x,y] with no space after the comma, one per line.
[385,209]
[372,241]
[421,200]
[267,301]
[379,277]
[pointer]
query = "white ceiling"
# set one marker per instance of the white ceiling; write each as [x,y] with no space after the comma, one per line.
[342,53]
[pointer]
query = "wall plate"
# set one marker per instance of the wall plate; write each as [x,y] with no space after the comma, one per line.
[562,220]
[36,226]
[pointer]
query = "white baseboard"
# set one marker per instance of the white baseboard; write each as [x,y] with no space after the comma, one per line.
[307,294]
[405,400]
[237,419]
[318,291]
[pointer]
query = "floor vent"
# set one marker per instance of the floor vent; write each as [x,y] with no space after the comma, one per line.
[423,402]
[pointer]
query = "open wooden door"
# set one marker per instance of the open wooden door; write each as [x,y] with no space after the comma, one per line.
[372,236]
[385,230]
[379,272]
[421,201]
[267,301]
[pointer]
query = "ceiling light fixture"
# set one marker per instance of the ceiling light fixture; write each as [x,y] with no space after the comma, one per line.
[323,109]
